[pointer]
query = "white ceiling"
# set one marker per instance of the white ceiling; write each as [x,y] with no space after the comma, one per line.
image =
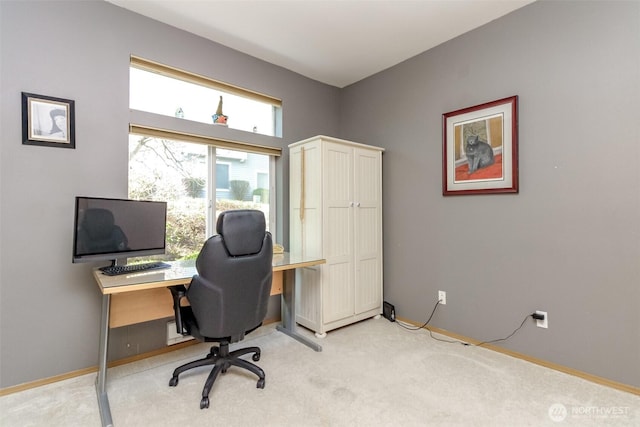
[337,42]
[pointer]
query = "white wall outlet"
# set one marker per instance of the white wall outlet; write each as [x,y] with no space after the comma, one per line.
[442,297]
[173,337]
[542,323]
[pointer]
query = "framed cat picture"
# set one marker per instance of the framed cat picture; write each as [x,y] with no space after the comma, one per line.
[480,149]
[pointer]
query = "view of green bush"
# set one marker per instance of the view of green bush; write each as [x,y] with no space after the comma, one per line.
[170,171]
[239,189]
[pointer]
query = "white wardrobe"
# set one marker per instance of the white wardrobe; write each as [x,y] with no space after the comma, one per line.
[336,213]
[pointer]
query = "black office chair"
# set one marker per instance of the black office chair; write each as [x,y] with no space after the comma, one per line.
[228,296]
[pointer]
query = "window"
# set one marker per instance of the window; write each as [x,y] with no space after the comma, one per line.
[179,172]
[222,176]
[198,175]
[164,90]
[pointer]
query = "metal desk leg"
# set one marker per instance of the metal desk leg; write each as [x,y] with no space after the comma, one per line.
[101,380]
[288,303]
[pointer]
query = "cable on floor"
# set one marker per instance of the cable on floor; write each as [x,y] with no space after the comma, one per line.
[423,326]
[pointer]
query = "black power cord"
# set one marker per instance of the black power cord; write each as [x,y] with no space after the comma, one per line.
[415,328]
[508,336]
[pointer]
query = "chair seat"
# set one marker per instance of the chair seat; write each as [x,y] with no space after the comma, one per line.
[191,328]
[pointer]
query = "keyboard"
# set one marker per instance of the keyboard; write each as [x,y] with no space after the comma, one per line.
[115,270]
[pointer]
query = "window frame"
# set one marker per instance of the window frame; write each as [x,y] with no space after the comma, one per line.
[198,79]
[140,124]
[208,82]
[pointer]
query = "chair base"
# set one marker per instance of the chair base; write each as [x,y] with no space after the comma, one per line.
[221,359]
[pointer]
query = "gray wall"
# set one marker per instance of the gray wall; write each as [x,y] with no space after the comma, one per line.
[569,242]
[49,307]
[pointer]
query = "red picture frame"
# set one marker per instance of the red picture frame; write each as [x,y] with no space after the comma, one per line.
[480,149]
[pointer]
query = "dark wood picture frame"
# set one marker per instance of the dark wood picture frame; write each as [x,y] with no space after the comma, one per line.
[48,121]
[480,149]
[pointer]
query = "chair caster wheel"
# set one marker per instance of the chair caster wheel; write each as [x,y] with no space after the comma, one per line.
[260,383]
[256,357]
[204,403]
[173,382]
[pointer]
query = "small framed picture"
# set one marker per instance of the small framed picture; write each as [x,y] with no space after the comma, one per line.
[48,121]
[480,149]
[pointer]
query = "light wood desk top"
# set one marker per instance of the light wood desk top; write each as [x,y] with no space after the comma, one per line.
[181,272]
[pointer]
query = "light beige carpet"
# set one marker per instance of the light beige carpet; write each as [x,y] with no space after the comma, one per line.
[373,373]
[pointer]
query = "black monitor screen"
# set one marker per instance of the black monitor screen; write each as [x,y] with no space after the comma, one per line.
[107,229]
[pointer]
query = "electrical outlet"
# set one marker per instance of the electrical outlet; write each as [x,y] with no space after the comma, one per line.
[442,297]
[542,323]
[174,337]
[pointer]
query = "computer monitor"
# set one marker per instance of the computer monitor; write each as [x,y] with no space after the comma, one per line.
[109,229]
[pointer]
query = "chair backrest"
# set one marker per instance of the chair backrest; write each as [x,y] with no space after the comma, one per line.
[98,232]
[230,293]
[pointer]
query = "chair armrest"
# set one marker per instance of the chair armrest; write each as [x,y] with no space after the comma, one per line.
[178,292]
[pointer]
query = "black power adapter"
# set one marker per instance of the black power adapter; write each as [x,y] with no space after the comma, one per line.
[538,316]
[389,311]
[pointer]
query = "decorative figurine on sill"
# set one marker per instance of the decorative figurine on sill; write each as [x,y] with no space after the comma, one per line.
[218,117]
[179,113]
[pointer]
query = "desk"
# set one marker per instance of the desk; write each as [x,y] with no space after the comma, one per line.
[181,273]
